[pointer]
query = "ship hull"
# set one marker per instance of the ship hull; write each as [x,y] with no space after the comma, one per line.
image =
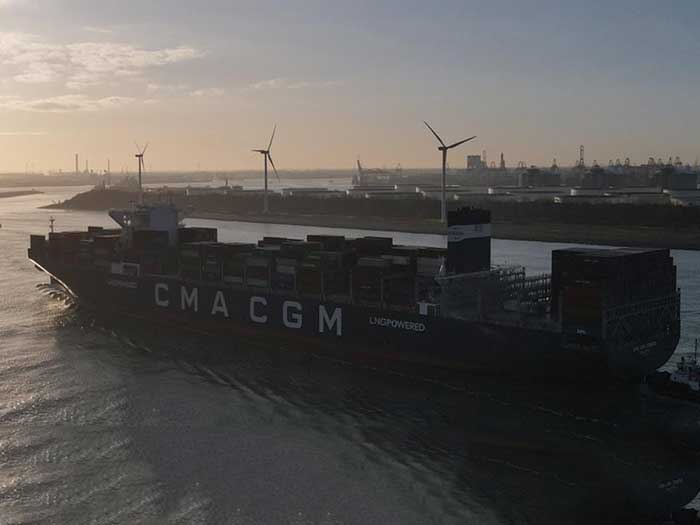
[355,332]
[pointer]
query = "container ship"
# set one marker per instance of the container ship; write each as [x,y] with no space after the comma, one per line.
[601,313]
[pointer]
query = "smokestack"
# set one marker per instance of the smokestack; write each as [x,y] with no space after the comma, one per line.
[77,170]
[468,240]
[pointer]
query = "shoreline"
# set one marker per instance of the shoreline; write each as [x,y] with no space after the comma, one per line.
[642,237]
[22,193]
[606,225]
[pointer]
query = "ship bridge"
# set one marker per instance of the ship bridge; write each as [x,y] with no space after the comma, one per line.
[154,218]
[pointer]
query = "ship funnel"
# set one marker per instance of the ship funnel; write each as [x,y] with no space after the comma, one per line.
[468,240]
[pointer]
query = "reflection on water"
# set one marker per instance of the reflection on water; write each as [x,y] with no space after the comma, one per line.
[106,421]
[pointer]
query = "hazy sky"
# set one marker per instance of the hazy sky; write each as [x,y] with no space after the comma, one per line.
[205,81]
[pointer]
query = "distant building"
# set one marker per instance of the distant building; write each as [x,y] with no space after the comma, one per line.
[596,178]
[475,162]
[668,178]
[537,178]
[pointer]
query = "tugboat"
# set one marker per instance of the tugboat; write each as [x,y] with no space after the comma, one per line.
[682,383]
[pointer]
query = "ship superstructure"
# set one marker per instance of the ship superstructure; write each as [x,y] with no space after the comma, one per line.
[600,311]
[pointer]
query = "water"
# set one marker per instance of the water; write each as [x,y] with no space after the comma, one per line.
[104,422]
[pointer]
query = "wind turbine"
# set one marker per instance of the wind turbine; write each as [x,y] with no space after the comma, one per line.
[266,154]
[442,147]
[139,155]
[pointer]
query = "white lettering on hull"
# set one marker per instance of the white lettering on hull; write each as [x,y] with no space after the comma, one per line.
[292,311]
[161,287]
[395,323]
[329,322]
[118,283]
[189,299]
[219,304]
[262,319]
[292,314]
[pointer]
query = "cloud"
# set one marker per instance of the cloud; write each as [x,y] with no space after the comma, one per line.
[40,72]
[65,103]
[178,90]
[32,61]
[166,89]
[22,133]
[10,3]
[99,30]
[285,83]
[83,64]
[207,92]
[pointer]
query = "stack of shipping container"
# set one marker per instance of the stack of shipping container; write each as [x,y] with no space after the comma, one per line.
[586,282]
[192,243]
[367,270]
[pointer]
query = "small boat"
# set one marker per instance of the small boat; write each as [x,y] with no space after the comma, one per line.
[682,383]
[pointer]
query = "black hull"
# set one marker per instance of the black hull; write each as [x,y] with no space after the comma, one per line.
[355,332]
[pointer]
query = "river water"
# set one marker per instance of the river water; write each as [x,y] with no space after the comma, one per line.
[107,422]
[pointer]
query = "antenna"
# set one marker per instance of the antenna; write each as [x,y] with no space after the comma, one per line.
[139,155]
[266,154]
[444,148]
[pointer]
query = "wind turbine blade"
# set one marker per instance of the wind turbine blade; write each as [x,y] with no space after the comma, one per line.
[138,148]
[145,148]
[436,135]
[273,166]
[460,142]
[259,150]
[272,137]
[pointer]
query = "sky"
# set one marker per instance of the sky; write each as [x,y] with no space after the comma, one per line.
[204,82]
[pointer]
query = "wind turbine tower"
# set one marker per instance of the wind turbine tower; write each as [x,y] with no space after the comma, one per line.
[139,155]
[266,154]
[444,149]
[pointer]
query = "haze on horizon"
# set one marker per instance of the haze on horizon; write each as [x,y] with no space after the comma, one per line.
[205,84]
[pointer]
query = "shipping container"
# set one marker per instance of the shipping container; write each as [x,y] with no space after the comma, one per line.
[627,275]
[332,243]
[373,262]
[197,234]
[150,240]
[275,241]
[335,282]
[258,271]
[37,243]
[399,290]
[284,281]
[309,281]
[372,245]
[299,249]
